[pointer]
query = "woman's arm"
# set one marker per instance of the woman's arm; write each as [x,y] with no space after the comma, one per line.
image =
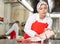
[27,28]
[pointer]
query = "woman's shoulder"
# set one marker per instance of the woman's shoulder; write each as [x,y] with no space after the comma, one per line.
[49,18]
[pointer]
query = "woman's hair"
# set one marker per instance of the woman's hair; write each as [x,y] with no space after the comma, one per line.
[40,3]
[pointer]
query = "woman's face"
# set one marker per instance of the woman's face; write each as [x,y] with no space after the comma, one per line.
[43,10]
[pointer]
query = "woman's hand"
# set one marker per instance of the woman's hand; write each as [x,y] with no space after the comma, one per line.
[37,35]
[46,29]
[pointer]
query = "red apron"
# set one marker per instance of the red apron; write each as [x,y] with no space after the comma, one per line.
[13,35]
[38,27]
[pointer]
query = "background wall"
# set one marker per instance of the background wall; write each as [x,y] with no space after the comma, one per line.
[2,15]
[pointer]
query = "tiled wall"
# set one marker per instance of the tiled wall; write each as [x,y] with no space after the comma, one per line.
[1,15]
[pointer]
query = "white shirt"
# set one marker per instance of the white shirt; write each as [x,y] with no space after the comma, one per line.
[15,28]
[32,19]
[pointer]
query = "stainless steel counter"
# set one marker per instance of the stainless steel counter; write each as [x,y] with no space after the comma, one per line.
[54,41]
[7,41]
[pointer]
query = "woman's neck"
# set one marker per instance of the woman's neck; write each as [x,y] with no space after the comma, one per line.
[42,17]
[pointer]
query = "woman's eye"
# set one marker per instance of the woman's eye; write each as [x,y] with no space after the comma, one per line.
[45,7]
[40,8]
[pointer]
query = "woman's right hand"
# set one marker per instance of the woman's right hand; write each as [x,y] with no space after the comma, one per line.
[37,35]
[41,36]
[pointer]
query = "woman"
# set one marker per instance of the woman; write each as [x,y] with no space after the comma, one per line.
[39,22]
[13,31]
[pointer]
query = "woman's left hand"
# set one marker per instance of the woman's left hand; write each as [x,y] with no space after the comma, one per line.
[46,29]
